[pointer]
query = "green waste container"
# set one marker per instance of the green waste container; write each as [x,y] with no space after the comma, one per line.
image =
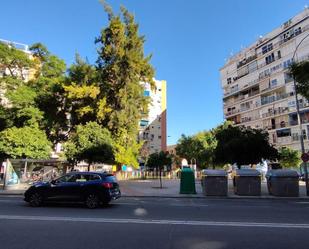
[187,181]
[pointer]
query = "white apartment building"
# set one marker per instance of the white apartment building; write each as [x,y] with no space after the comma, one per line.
[258,90]
[152,128]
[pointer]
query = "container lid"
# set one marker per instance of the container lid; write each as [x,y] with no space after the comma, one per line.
[247,172]
[282,173]
[213,172]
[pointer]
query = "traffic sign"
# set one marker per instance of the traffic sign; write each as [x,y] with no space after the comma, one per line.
[305,157]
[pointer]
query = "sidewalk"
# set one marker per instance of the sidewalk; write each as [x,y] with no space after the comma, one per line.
[151,188]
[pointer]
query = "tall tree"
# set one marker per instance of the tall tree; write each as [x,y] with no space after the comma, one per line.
[122,67]
[48,85]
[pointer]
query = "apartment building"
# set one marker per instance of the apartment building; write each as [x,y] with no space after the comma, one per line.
[258,91]
[152,127]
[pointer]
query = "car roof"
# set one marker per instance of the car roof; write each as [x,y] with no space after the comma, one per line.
[90,173]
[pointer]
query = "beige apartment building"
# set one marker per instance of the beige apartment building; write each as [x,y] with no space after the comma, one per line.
[258,90]
[152,127]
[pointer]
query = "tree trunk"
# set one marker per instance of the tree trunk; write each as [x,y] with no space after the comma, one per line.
[88,167]
[160,178]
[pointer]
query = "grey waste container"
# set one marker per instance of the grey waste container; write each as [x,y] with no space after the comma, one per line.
[283,182]
[247,182]
[214,182]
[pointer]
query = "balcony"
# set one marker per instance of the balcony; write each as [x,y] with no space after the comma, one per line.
[232,112]
[275,112]
[246,61]
[273,98]
[284,140]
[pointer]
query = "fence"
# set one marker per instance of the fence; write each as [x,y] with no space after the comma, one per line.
[20,174]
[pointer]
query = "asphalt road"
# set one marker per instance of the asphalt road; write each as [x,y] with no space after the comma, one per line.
[146,223]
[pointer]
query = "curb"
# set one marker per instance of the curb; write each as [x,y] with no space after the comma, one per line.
[221,197]
[196,197]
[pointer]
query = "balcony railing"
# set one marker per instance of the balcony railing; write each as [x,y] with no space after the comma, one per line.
[271,99]
[275,112]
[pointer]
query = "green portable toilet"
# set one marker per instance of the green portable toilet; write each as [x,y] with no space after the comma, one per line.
[187,181]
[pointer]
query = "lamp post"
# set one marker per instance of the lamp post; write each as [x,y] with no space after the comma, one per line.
[301,137]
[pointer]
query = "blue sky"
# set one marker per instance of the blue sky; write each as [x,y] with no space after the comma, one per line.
[189,40]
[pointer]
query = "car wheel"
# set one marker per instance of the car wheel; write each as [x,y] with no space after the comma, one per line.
[35,199]
[92,201]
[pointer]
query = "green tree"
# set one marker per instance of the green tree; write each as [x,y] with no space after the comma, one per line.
[199,147]
[122,67]
[289,158]
[37,100]
[28,142]
[90,143]
[300,72]
[50,98]
[158,161]
[243,145]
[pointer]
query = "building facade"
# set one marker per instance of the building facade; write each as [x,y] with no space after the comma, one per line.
[258,90]
[152,127]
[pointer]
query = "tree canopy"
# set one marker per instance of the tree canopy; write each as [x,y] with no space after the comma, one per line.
[108,93]
[90,143]
[122,67]
[159,160]
[289,158]
[199,147]
[28,142]
[243,145]
[300,71]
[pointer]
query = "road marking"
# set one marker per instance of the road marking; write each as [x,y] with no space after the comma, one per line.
[156,222]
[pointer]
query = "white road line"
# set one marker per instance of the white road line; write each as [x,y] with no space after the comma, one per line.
[158,222]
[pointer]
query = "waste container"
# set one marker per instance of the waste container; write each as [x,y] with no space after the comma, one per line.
[214,182]
[283,182]
[247,182]
[187,181]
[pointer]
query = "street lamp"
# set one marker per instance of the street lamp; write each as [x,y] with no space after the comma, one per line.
[301,137]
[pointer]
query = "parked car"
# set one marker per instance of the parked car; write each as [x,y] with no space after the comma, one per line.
[92,188]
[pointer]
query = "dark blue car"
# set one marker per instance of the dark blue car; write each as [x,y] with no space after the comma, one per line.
[92,188]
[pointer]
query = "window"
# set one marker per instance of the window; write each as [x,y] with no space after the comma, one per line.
[284,133]
[67,178]
[144,123]
[267,48]
[297,31]
[252,66]
[287,63]
[273,83]
[287,77]
[279,54]
[292,103]
[229,81]
[159,137]
[270,58]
